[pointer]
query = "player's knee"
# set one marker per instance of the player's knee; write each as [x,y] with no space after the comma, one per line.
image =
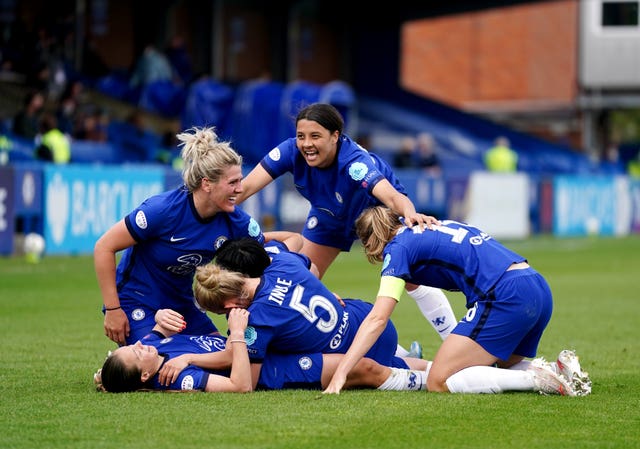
[367,367]
[437,384]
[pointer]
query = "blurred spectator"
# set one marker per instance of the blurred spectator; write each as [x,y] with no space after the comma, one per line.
[48,70]
[418,152]
[426,155]
[69,106]
[180,60]
[53,145]
[92,124]
[611,162]
[152,66]
[136,141]
[501,158]
[403,158]
[26,122]
[633,166]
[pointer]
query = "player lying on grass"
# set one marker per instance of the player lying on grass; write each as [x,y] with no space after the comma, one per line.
[220,290]
[135,367]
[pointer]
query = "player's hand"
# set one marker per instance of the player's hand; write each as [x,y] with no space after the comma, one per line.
[421,220]
[238,321]
[171,369]
[116,326]
[170,320]
[336,384]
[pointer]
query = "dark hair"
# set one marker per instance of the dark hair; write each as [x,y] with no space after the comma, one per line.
[245,255]
[118,378]
[324,114]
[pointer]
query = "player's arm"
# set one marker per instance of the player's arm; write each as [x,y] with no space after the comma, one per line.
[240,380]
[402,205]
[370,329]
[211,360]
[117,238]
[292,240]
[255,180]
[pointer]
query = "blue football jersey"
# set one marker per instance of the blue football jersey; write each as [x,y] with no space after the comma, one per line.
[454,256]
[192,377]
[342,190]
[172,240]
[294,312]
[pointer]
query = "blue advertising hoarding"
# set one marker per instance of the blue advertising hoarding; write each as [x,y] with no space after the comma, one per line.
[591,205]
[7,210]
[82,202]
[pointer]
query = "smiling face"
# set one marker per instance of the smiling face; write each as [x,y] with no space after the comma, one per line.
[222,195]
[144,357]
[316,144]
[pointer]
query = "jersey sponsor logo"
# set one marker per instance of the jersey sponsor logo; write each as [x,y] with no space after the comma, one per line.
[275,154]
[337,339]
[138,314]
[250,335]
[339,197]
[187,383]
[141,220]
[254,228]
[305,363]
[312,222]
[188,262]
[357,171]
[176,239]
[209,343]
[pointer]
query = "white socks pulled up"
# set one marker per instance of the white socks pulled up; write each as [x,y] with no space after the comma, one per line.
[435,307]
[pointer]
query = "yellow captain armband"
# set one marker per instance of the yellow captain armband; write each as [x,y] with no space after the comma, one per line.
[391,286]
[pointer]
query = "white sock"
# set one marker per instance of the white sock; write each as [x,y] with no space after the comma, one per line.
[487,379]
[404,380]
[401,352]
[435,307]
[522,365]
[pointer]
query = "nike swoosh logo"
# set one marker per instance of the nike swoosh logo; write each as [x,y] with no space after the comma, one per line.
[173,239]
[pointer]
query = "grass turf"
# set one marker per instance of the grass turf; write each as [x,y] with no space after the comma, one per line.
[52,342]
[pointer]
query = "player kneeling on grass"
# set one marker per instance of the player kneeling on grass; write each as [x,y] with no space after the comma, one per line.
[135,367]
[509,305]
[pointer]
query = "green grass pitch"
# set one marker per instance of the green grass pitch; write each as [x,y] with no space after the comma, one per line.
[53,341]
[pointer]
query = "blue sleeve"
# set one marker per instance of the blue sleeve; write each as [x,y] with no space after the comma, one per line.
[245,225]
[280,160]
[149,219]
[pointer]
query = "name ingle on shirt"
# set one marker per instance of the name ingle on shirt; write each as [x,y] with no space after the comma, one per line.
[278,292]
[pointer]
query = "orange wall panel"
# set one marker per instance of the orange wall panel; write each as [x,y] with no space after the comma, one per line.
[518,53]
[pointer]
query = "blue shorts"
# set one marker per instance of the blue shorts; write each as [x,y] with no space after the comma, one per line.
[323,228]
[384,349]
[142,319]
[513,316]
[291,371]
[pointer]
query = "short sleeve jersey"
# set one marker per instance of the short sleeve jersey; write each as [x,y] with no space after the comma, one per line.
[454,256]
[293,312]
[342,190]
[192,377]
[172,240]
